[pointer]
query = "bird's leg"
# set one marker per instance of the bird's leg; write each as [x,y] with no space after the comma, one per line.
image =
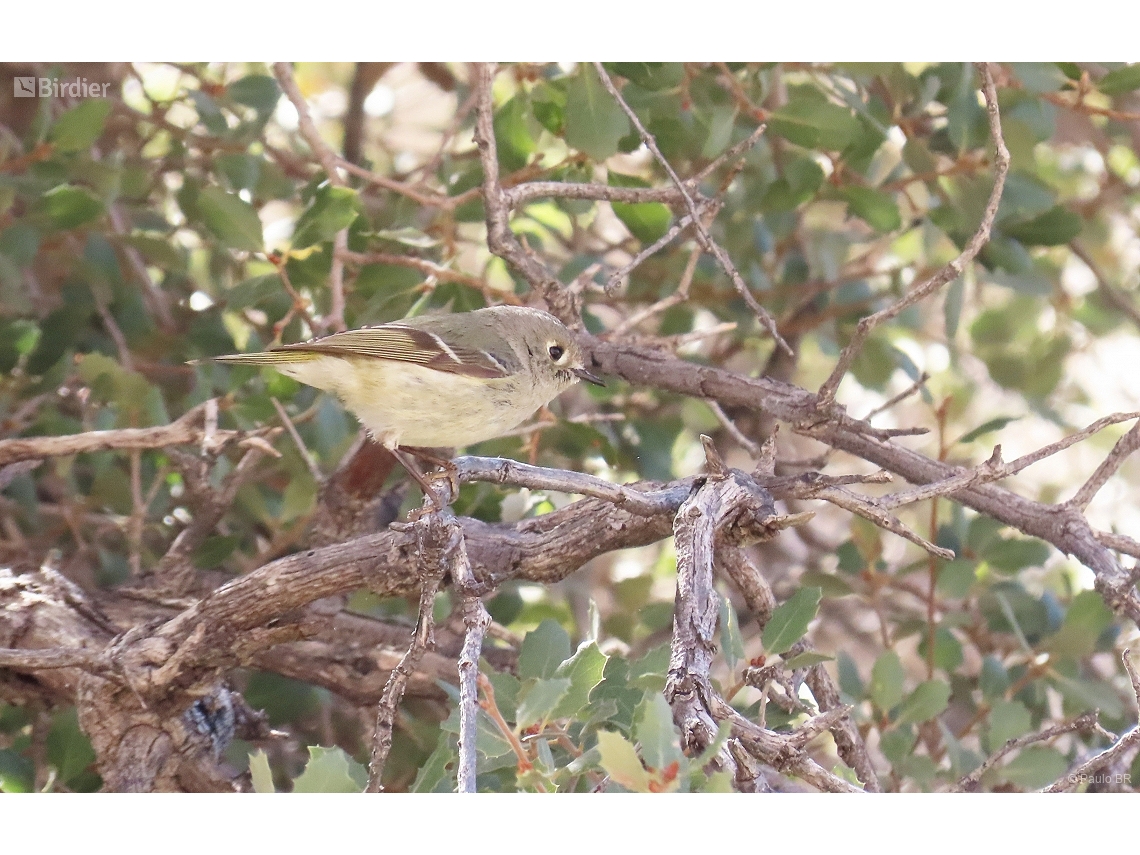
[408,462]
[406,457]
[450,470]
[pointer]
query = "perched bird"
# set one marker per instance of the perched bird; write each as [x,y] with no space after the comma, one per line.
[438,380]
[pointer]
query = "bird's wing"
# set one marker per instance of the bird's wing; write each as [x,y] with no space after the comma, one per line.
[402,343]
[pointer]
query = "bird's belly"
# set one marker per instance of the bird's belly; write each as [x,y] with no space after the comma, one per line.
[402,404]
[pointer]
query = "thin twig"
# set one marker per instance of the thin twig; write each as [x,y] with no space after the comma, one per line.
[306,455]
[523,193]
[329,161]
[950,271]
[1116,298]
[1120,452]
[422,640]
[619,276]
[665,303]
[753,448]
[186,430]
[901,396]
[1015,466]
[991,470]
[1082,723]
[500,239]
[1113,752]
[1119,542]
[695,214]
[321,150]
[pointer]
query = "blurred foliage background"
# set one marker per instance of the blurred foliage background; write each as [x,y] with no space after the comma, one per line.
[183,216]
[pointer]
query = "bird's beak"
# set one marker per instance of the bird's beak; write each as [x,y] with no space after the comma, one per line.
[583,374]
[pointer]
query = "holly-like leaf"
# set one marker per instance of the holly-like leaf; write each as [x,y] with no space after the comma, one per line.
[621,763]
[594,121]
[260,772]
[543,650]
[330,770]
[790,620]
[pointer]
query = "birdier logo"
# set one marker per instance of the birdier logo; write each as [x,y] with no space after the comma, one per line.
[53,87]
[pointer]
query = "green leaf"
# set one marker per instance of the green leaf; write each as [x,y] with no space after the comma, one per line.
[539,699]
[955,578]
[993,679]
[332,209]
[17,772]
[1008,720]
[260,773]
[790,620]
[1013,554]
[925,702]
[731,641]
[877,209]
[214,550]
[799,182]
[649,75]
[255,90]
[543,650]
[80,126]
[584,669]
[594,121]
[849,680]
[947,649]
[1120,81]
[230,219]
[549,105]
[621,763]
[812,122]
[1083,695]
[1035,767]
[646,221]
[330,770]
[434,770]
[68,207]
[1084,622]
[887,678]
[513,141]
[654,730]
[1056,226]
[68,748]
[807,659]
[987,427]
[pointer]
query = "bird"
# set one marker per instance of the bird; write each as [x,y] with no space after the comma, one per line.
[439,380]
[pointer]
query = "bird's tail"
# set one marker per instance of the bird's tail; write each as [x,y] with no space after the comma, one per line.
[265,357]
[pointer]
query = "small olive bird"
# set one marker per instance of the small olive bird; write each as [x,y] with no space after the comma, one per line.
[438,380]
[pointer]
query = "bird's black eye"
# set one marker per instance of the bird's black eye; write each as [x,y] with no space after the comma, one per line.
[556,352]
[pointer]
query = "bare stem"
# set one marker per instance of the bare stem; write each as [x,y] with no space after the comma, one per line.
[948,273]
